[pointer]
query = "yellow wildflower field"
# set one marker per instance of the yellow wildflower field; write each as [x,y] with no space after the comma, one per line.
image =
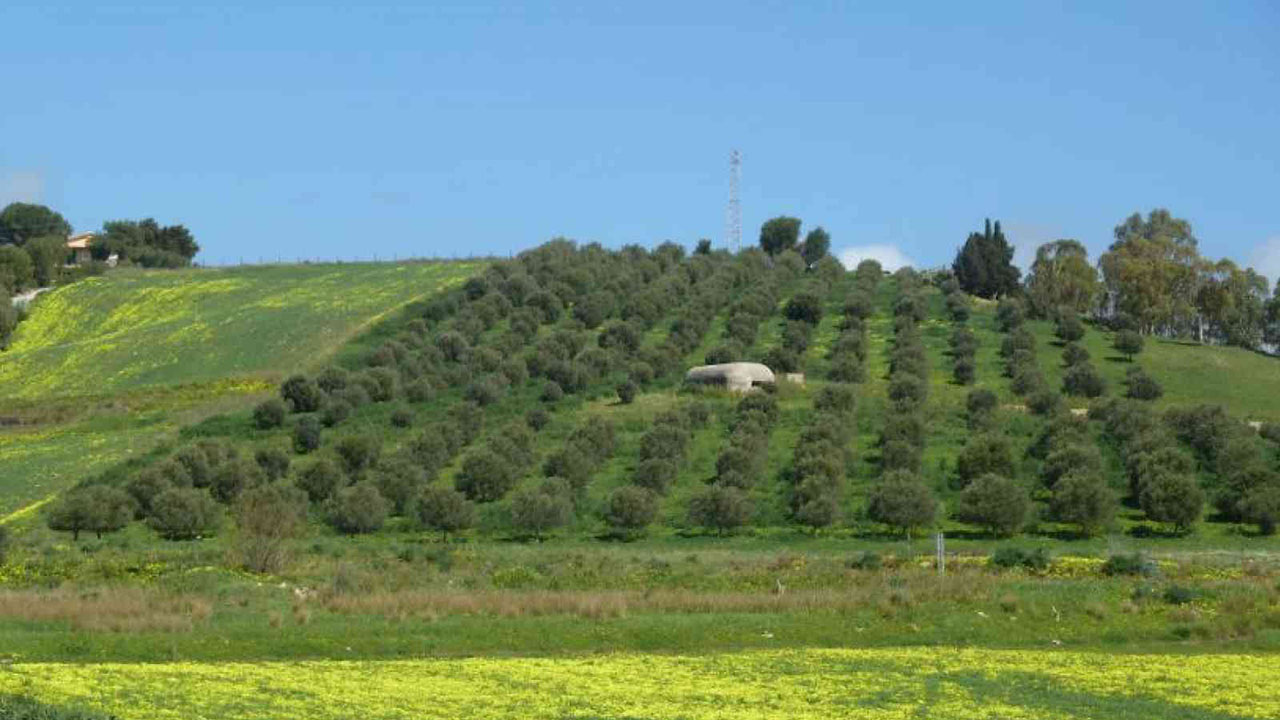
[829,683]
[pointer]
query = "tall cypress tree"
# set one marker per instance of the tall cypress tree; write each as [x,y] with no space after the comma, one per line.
[984,266]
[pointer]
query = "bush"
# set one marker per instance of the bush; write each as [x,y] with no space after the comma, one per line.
[655,473]
[551,392]
[980,403]
[804,307]
[269,414]
[335,412]
[267,518]
[996,503]
[899,455]
[1129,564]
[908,391]
[537,419]
[21,707]
[485,476]
[1171,497]
[302,394]
[866,560]
[332,379]
[184,514]
[838,399]
[97,509]
[444,510]
[358,509]
[719,507]
[1083,498]
[398,481]
[402,418]
[358,453]
[1010,314]
[631,509]
[1013,557]
[306,435]
[1069,328]
[1046,403]
[902,501]
[1261,506]
[627,392]
[1127,343]
[273,462]
[964,371]
[419,391]
[234,477]
[1074,354]
[1142,386]
[319,480]
[1083,381]
[982,455]
[536,510]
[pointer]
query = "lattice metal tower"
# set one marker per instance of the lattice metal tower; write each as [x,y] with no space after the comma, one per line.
[733,214]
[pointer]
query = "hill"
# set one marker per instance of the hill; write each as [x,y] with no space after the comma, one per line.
[135,328]
[107,367]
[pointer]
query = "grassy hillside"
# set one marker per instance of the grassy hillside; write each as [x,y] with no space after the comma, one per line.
[133,329]
[106,368]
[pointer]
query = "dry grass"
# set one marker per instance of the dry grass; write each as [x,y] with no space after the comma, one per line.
[108,609]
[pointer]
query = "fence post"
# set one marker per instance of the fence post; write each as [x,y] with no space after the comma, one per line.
[940,542]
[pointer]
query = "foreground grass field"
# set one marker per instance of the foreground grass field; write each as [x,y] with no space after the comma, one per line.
[818,683]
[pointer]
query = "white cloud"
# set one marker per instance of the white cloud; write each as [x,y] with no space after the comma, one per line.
[1265,258]
[889,256]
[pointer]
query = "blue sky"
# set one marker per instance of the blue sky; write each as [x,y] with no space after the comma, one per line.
[354,131]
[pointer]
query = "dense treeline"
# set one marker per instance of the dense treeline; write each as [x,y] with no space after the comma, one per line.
[1152,280]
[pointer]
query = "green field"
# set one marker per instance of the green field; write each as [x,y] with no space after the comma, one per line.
[770,618]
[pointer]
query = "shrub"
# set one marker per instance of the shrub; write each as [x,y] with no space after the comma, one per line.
[269,414]
[899,455]
[1129,564]
[1127,343]
[1084,499]
[1010,314]
[865,560]
[358,509]
[145,486]
[444,510]
[902,501]
[1084,381]
[485,476]
[551,392]
[995,503]
[964,371]
[780,359]
[1012,557]
[273,461]
[1027,380]
[655,473]
[980,403]
[1261,506]
[97,509]
[631,509]
[846,370]
[1142,386]
[402,418]
[234,477]
[1074,354]
[184,514]
[1069,328]
[267,518]
[836,398]
[1179,595]
[380,383]
[335,412]
[537,419]
[1171,497]
[483,391]
[358,453]
[419,391]
[535,510]
[398,481]
[302,394]
[908,391]
[627,392]
[982,455]
[719,507]
[1046,403]
[306,435]
[804,307]
[332,379]
[319,480]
